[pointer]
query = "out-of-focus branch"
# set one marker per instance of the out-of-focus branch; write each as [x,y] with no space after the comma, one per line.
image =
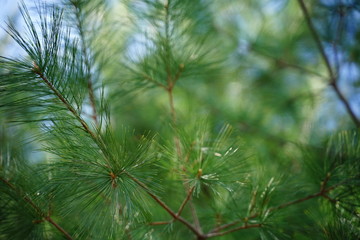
[333,78]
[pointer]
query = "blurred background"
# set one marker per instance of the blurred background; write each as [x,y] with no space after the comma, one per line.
[262,72]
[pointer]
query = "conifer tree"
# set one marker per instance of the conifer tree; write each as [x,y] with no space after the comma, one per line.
[181,119]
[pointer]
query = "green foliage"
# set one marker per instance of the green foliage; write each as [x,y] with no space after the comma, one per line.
[151,119]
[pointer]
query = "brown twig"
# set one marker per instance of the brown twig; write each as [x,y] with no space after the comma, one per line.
[37,209]
[333,79]
[171,102]
[58,227]
[311,196]
[195,216]
[160,223]
[186,200]
[165,207]
[219,228]
[98,140]
[170,86]
[216,234]
[38,72]
[181,208]
[102,146]
[171,83]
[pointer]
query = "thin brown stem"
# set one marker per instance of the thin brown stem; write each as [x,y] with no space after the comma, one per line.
[216,234]
[195,216]
[37,209]
[170,79]
[218,229]
[98,140]
[64,101]
[333,79]
[173,117]
[170,87]
[311,196]
[179,153]
[181,208]
[329,198]
[172,107]
[186,200]
[164,206]
[322,193]
[58,227]
[225,226]
[160,223]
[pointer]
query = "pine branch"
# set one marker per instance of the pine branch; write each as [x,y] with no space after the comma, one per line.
[102,146]
[181,208]
[333,78]
[322,193]
[37,209]
[170,86]
[104,173]
[97,139]
[37,71]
